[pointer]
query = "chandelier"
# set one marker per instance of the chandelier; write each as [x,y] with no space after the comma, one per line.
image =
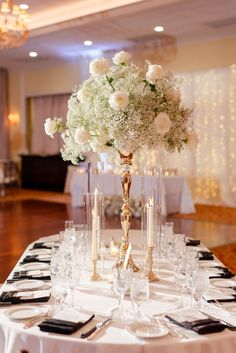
[13,25]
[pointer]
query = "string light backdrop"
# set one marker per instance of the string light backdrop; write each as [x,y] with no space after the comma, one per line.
[211,169]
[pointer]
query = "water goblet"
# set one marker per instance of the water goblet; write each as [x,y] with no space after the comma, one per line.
[200,285]
[139,293]
[121,283]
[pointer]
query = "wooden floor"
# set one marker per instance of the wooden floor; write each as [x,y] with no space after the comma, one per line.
[23,221]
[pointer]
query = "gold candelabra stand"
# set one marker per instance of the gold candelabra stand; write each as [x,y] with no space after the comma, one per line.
[95,276]
[150,274]
[126,162]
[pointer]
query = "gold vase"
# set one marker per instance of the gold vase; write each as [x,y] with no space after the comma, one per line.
[126,162]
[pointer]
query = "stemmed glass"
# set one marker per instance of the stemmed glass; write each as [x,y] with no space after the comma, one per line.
[200,285]
[59,289]
[121,283]
[139,293]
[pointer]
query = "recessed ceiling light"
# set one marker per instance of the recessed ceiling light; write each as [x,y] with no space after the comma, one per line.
[88,43]
[33,54]
[159,29]
[24,6]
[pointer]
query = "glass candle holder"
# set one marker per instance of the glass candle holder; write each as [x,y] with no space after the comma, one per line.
[94,220]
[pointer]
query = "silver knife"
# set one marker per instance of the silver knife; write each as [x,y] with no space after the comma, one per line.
[94,330]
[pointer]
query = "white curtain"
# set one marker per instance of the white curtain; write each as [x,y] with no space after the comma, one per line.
[42,108]
[211,169]
[4,124]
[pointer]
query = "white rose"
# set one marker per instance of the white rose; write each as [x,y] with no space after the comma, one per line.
[81,135]
[98,145]
[83,94]
[99,66]
[192,140]
[121,58]
[173,94]
[162,123]
[118,100]
[154,73]
[50,127]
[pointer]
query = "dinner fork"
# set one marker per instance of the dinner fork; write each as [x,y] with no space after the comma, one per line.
[35,320]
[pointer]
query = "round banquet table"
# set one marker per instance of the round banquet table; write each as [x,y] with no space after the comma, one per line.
[98,298]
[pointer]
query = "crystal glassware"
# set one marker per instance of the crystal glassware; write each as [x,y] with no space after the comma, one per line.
[139,293]
[121,283]
[200,285]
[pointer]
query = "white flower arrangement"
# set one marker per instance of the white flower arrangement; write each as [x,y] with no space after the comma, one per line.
[124,108]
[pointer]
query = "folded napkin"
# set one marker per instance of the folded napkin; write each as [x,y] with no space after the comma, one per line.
[196,321]
[192,242]
[35,258]
[15,297]
[220,298]
[62,326]
[224,274]
[40,275]
[41,246]
[205,255]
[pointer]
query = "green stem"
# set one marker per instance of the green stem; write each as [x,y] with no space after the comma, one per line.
[110,83]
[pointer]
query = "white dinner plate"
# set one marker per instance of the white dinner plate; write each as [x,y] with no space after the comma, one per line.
[40,251]
[223,283]
[147,330]
[28,284]
[31,266]
[230,307]
[22,312]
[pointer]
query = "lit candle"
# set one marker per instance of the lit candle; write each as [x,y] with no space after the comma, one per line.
[150,222]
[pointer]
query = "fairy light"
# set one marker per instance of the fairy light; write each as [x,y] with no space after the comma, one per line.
[211,169]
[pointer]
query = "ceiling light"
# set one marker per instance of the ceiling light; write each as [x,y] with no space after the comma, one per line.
[33,54]
[159,29]
[88,43]
[23,6]
[13,25]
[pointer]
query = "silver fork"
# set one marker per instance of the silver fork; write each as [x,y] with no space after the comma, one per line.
[174,331]
[35,320]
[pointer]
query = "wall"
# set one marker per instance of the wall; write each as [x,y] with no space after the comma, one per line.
[61,78]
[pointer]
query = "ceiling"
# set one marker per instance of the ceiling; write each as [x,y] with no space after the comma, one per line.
[59,27]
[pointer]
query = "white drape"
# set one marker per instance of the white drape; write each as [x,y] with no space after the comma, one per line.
[42,108]
[211,169]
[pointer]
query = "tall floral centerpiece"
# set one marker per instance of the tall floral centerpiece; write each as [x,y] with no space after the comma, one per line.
[125,109]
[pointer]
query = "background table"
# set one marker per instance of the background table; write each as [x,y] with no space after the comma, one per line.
[176,197]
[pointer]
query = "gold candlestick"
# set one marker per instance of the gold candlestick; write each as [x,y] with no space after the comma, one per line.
[126,162]
[95,276]
[151,275]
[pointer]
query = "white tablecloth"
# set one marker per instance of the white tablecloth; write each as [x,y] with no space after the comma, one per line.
[176,196]
[98,297]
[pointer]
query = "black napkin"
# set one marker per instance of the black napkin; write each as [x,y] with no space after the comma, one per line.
[9,297]
[41,246]
[192,242]
[202,327]
[205,255]
[222,268]
[34,258]
[62,326]
[19,275]
[225,274]
[223,300]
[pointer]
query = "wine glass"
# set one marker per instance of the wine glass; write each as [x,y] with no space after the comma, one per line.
[200,285]
[121,283]
[139,294]
[59,289]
